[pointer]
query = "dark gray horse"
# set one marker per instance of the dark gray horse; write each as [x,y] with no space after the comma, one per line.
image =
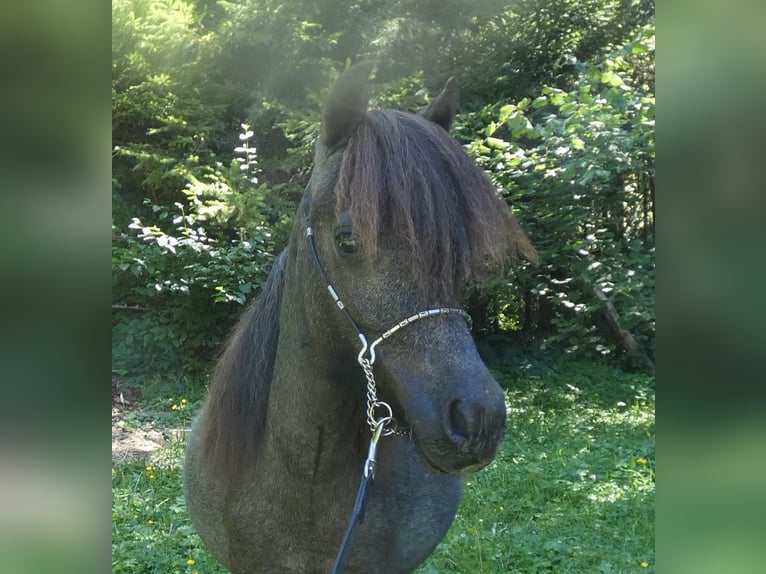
[401,221]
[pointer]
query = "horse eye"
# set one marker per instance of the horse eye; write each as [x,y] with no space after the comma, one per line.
[345,239]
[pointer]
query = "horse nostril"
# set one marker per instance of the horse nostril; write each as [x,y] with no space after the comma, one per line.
[459,425]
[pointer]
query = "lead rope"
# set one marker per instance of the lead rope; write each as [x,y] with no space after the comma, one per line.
[380,426]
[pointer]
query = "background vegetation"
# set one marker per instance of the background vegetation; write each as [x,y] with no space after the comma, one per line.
[215,109]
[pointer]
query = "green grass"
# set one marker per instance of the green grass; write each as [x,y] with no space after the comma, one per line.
[151,532]
[571,490]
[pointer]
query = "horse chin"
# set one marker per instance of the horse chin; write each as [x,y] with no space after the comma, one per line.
[446,464]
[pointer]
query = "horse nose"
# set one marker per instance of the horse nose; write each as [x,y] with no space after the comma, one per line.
[463,424]
[472,423]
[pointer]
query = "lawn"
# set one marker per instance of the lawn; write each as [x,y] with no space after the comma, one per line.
[571,490]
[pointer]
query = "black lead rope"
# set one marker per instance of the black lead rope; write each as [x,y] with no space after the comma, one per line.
[357,515]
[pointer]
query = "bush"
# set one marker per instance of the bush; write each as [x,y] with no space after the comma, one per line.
[191,272]
[194,234]
[578,168]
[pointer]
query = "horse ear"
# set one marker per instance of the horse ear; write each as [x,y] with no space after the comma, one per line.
[346,105]
[442,110]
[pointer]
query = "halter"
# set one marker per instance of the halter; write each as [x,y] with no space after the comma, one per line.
[380,416]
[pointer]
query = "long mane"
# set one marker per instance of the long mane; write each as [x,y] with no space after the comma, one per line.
[405,177]
[235,414]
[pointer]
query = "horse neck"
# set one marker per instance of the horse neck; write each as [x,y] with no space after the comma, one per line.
[317,400]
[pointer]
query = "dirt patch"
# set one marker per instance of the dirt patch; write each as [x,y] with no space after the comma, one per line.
[132,437]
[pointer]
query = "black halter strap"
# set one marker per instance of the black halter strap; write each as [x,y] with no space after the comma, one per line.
[330,289]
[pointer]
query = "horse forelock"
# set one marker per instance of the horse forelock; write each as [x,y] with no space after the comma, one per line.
[404,177]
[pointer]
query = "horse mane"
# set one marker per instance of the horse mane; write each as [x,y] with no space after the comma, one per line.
[235,415]
[406,175]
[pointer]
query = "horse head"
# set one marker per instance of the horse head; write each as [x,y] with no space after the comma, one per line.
[401,222]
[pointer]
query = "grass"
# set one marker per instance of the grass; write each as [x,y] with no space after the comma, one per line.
[151,532]
[571,490]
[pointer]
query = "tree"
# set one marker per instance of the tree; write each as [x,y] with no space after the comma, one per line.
[578,166]
[187,75]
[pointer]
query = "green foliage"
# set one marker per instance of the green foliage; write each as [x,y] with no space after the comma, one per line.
[194,233]
[194,269]
[166,121]
[506,49]
[578,167]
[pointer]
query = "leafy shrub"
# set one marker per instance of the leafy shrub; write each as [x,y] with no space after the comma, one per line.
[191,271]
[192,229]
[578,168]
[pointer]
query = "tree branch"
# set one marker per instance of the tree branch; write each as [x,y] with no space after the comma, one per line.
[123,307]
[625,338]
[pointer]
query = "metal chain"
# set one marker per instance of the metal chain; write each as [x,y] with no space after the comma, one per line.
[373,404]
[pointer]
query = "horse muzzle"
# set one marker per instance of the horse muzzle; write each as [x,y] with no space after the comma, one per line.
[457,424]
[471,430]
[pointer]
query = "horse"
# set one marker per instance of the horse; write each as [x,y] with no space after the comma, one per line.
[396,223]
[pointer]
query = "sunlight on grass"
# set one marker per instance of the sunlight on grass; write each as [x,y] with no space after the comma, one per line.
[151,531]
